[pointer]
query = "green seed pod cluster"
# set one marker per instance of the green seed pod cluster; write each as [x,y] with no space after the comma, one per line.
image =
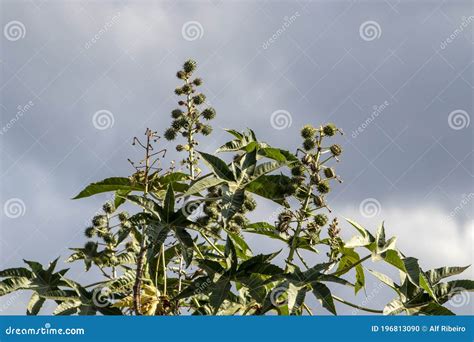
[321,220]
[187,120]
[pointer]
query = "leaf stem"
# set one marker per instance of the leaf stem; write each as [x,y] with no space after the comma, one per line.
[356,306]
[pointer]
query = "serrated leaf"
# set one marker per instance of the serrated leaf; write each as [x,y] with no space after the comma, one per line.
[218,166]
[109,184]
[323,294]
[437,274]
[34,305]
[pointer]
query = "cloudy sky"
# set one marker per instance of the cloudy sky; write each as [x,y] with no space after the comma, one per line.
[79,79]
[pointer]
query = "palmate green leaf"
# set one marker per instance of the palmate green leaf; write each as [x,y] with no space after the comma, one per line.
[109,184]
[272,187]
[218,166]
[277,154]
[120,197]
[232,202]
[267,167]
[210,266]
[394,307]
[242,248]
[202,184]
[67,308]
[347,262]
[386,280]
[16,272]
[323,294]
[445,291]
[264,228]
[432,309]
[34,305]
[168,205]
[296,296]
[148,204]
[434,276]
[220,291]
[13,284]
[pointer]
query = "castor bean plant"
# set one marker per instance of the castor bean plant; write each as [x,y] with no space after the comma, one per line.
[185,247]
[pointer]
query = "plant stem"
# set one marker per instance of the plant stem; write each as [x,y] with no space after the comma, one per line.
[356,306]
[307,309]
[212,245]
[165,285]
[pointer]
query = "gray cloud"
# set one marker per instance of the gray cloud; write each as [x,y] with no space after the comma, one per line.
[307,58]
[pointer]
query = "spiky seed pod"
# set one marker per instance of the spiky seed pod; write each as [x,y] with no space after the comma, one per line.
[323,187]
[178,91]
[131,246]
[186,88]
[209,113]
[330,129]
[189,66]
[170,134]
[318,201]
[99,221]
[197,81]
[285,216]
[307,159]
[181,75]
[199,99]
[213,192]
[329,172]
[315,178]
[239,219]
[291,189]
[181,103]
[179,148]
[313,228]
[176,113]
[297,170]
[123,216]
[297,180]
[206,130]
[308,132]
[212,212]
[234,229]
[336,150]
[321,220]
[250,204]
[309,144]
[109,238]
[176,124]
[90,246]
[89,232]
[108,207]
